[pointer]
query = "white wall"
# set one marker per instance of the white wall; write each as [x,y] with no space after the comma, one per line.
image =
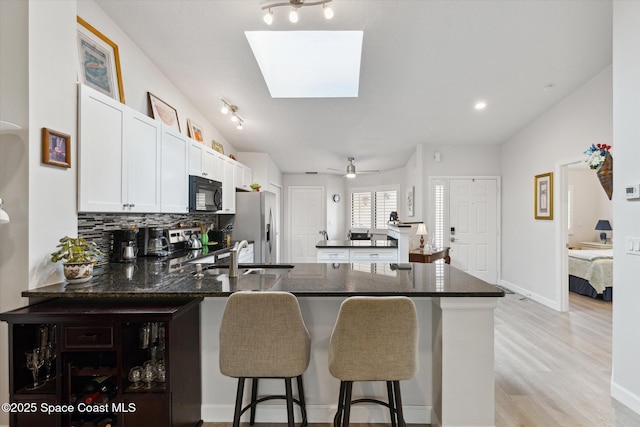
[625,383]
[590,204]
[563,132]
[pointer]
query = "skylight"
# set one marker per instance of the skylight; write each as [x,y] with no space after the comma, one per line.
[308,64]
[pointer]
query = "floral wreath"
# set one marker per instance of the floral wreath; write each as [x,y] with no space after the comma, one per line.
[597,153]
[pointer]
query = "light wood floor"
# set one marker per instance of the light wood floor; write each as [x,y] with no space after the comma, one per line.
[552,369]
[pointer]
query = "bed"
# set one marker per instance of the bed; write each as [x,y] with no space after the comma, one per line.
[591,272]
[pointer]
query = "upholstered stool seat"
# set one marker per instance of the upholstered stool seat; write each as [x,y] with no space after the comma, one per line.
[263,335]
[374,339]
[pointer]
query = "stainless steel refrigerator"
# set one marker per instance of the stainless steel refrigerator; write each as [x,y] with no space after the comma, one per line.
[255,221]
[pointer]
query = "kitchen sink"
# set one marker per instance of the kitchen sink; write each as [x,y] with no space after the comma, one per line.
[264,271]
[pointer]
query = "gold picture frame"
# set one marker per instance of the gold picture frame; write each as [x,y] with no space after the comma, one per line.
[543,190]
[56,148]
[217,146]
[99,61]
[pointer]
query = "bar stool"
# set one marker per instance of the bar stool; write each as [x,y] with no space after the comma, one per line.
[374,339]
[263,335]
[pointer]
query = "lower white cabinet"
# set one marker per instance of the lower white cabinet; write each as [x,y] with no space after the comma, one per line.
[338,255]
[357,255]
[246,255]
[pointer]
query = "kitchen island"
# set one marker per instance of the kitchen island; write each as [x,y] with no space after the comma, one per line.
[455,382]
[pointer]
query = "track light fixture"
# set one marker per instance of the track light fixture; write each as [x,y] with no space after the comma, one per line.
[295,5]
[235,118]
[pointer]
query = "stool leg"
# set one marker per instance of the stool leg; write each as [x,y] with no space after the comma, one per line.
[254,397]
[239,393]
[289,394]
[396,389]
[337,420]
[347,403]
[303,404]
[392,408]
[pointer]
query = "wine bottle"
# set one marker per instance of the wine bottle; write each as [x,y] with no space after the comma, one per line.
[106,388]
[106,420]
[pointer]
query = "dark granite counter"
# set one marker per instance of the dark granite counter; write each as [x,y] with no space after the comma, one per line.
[354,244]
[149,278]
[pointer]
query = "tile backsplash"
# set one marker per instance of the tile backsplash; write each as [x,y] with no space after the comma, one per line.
[99,227]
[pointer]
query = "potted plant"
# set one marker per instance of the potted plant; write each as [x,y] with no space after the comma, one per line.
[255,186]
[78,257]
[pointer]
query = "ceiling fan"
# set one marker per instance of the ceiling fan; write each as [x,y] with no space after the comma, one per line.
[351,169]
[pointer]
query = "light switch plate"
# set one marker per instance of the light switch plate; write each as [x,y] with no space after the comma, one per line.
[633,245]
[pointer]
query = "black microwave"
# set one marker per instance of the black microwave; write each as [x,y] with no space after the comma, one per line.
[205,195]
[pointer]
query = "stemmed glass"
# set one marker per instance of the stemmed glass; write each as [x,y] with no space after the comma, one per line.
[148,376]
[34,363]
[135,376]
[49,356]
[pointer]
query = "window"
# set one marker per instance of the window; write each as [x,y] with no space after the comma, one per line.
[371,209]
[439,215]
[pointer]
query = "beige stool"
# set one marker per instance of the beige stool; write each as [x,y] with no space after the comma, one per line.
[263,335]
[374,339]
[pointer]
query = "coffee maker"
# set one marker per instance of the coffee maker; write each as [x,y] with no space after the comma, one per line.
[125,247]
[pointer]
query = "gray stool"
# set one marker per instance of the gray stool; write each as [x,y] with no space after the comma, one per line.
[263,335]
[374,339]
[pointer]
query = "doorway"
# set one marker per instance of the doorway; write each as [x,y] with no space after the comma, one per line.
[306,217]
[464,214]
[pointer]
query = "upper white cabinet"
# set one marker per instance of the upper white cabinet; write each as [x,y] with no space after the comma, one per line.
[242,176]
[175,174]
[119,157]
[228,188]
[202,160]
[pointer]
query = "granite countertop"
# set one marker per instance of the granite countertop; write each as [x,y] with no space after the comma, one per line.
[324,244]
[153,278]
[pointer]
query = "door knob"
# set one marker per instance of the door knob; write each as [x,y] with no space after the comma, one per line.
[453,239]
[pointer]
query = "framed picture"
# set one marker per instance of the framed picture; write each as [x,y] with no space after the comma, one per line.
[99,61]
[56,148]
[164,112]
[543,186]
[195,131]
[410,200]
[218,147]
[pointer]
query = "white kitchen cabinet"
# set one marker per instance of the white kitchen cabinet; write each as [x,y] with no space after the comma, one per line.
[337,255]
[174,184]
[202,160]
[228,188]
[373,255]
[219,160]
[242,176]
[119,157]
[246,255]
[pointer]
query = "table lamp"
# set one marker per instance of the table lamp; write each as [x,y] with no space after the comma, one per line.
[422,231]
[604,226]
[4,217]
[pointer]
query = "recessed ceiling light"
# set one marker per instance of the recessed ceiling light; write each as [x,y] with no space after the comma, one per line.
[480,105]
[548,88]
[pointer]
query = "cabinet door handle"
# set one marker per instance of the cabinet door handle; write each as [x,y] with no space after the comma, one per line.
[92,337]
[132,205]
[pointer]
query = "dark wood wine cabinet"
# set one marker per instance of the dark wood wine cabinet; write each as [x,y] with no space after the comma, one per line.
[104,337]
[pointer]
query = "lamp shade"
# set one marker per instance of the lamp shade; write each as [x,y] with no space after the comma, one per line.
[422,229]
[603,225]
[4,217]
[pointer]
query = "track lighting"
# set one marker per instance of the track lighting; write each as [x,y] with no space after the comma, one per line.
[268,17]
[229,108]
[296,4]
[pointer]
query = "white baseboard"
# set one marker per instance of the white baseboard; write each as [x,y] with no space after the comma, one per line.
[625,397]
[532,296]
[360,413]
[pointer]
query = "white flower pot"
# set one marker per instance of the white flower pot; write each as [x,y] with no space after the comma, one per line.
[78,272]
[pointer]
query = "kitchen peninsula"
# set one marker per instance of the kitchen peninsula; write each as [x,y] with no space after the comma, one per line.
[455,383]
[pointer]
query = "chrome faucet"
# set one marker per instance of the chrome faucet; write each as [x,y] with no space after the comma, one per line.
[233,257]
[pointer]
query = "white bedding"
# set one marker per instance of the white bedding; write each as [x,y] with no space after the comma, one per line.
[595,266]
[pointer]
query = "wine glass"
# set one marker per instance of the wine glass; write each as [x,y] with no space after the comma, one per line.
[148,376]
[161,372]
[34,363]
[135,376]
[49,356]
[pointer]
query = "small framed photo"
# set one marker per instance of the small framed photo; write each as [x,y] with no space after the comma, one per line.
[164,112]
[410,200]
[99,61]
[195,131]
[543,190]
[217,146]
[56,148]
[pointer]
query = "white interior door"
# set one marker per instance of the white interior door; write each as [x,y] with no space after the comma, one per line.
[473,227]
[277,235]
[306,218]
